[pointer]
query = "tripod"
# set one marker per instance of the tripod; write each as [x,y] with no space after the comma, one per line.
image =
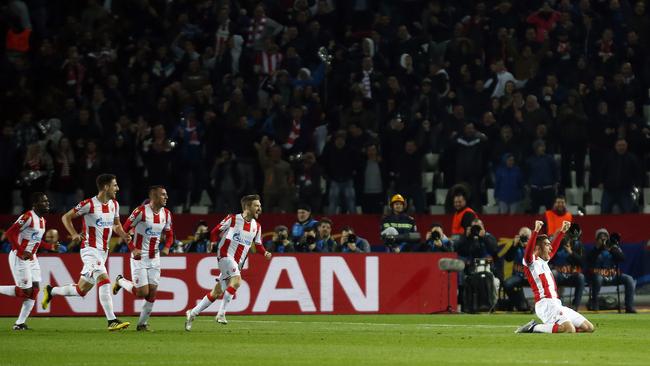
[450,265]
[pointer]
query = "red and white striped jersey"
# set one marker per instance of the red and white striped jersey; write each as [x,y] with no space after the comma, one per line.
[149,226]
[538,272]
[237,236]
[98,221]
[26,233]
[540,279]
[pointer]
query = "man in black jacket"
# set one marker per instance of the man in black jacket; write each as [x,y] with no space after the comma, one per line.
[621,172]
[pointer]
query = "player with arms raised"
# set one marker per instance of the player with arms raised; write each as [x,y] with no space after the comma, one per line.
[548,307]
[150,221]
[100,218]
[238,233]
[26,236]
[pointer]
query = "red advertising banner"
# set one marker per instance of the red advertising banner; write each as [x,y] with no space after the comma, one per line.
[634,228]
[287,284]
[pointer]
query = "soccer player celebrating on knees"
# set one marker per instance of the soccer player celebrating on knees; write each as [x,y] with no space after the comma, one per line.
[237,232]
[548,307]
[25,236]
[100,218]
[150,221]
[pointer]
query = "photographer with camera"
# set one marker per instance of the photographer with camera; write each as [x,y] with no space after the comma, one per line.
[603,261]
[567,264]
[308,243]
[201,240]
[479,287]
[476,243]
[351,243]
[513,284]
[304,220]
[398,230]
[436,240]
[280,242]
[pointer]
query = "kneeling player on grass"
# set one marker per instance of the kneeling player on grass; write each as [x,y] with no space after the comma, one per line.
[238,232]
[149,221]
[548,307]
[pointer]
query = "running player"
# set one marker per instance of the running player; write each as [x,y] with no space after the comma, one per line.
[100,218]
[150,221]
[238,233]
[25,236]
[548,307]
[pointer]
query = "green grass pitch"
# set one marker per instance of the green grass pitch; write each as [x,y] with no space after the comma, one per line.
[326,340]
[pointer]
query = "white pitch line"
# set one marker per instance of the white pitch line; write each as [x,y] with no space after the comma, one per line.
[378,324]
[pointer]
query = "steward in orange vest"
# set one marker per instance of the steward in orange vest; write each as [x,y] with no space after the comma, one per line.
[553,218]
[463,217]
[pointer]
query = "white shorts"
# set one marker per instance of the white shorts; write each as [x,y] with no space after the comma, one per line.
[145,272]
[94,261]
[229,268]
[551,311]
[25,272]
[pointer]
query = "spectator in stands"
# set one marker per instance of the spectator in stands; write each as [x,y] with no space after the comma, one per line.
[303,215]
[436,240]
[541,177]
[340,163]
[509,186]
[201,241]
[278,177]
[8,167]
[37,169]
[351,243]
[225,179]
[604,267]
[308,175]
[398,230]
[513,284]
[573,139]
[325,240]
[567,264]
[52,237]
[621,172]
[463,215]
[554,217]
[408,174]
[470,164]
[280,242]
[372,181]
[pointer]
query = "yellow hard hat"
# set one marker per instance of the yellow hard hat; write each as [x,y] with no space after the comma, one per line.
[397,198]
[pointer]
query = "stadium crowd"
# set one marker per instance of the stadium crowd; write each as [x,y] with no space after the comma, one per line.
[330,103]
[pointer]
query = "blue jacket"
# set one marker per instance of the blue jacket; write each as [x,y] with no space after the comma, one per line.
[509,184]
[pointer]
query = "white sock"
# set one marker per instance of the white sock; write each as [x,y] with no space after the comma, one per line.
[67,290]
[227,296]
[145,312]
[205,302]
[545,328]
[126,284]
[106,300]
[8,290]
[25,309]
